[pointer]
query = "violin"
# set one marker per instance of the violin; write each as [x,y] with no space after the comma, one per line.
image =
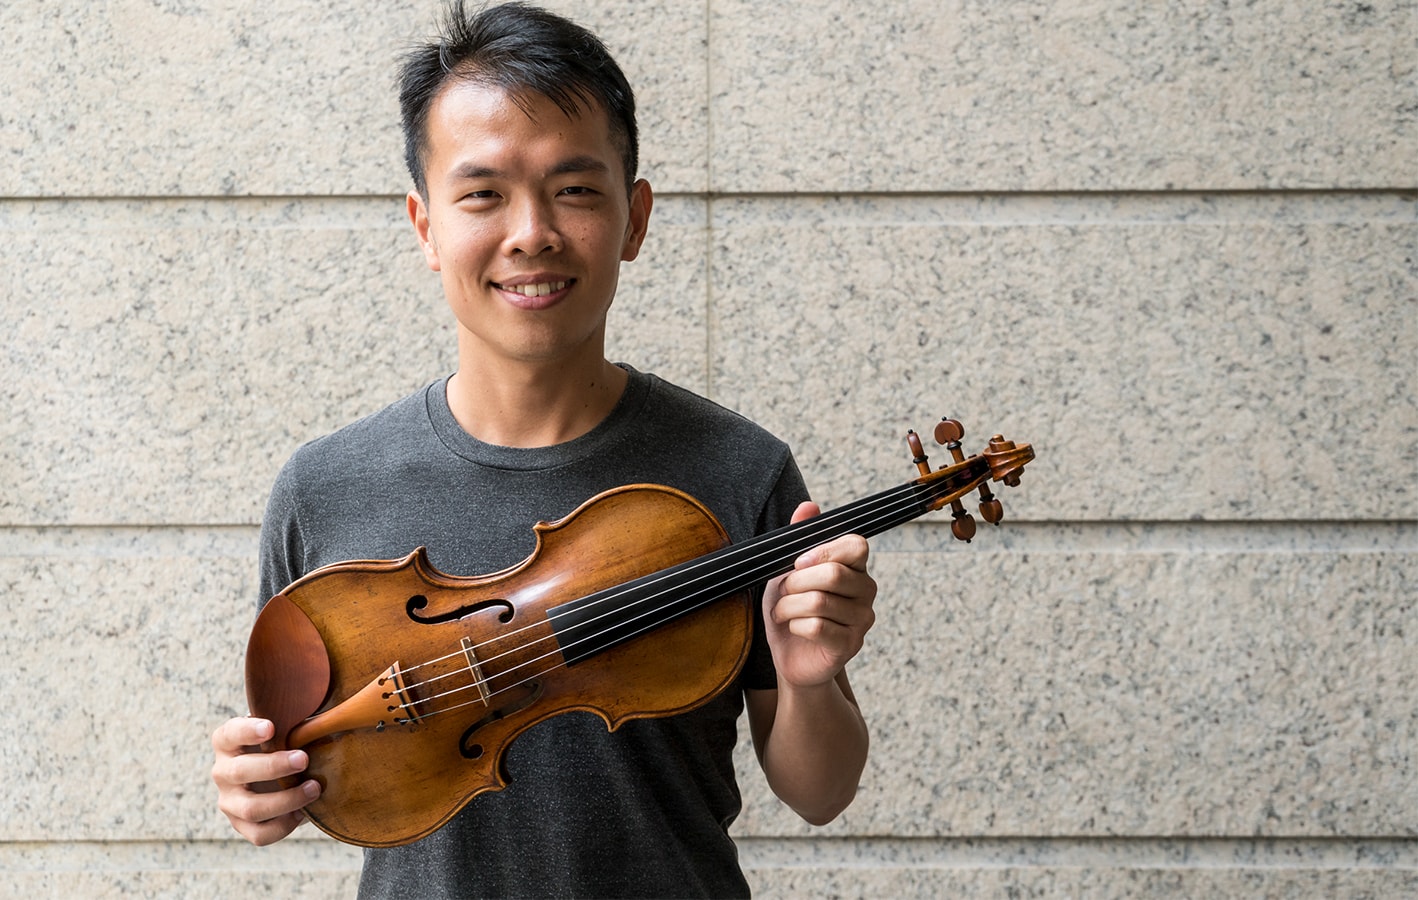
[405,685]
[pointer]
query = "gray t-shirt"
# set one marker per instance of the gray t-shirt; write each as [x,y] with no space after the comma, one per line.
[642,811]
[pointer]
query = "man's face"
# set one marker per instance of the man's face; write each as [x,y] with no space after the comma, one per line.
[527,220]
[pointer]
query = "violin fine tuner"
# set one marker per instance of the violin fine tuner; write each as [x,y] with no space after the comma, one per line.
[1006,462]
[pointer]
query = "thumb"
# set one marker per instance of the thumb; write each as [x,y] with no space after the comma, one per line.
[806,510]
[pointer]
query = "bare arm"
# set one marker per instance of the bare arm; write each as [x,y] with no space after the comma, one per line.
[809,734]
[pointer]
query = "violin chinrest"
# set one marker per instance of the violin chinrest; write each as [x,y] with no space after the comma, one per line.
[287,667]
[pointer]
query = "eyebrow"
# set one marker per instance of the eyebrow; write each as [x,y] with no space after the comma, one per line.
[570,166]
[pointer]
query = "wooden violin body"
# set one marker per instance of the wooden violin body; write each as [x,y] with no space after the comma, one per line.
[404,759]
[406,685]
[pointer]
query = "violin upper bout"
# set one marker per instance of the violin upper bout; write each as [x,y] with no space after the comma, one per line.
[287,667]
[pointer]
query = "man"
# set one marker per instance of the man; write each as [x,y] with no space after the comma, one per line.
[521,140]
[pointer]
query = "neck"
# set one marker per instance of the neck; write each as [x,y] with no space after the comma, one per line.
[533,404]
[599,621]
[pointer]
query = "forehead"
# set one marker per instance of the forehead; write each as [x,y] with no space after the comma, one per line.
[468,116]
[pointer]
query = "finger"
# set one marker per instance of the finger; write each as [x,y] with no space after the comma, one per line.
[851,550]
[268,832]
[265,818]
[233,735]
[837,640]
[258,768]
[241,804]
[849,612]
[831,579]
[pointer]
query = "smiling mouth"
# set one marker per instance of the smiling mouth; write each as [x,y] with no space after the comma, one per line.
[540,289]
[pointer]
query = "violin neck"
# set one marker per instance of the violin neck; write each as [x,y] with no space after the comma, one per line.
[595,623]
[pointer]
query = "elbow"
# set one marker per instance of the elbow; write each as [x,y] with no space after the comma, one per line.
[824,809]
[818,821]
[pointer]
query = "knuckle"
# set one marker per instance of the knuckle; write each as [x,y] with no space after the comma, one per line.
[237,808]
[810,628]
[817,604]
[264,837]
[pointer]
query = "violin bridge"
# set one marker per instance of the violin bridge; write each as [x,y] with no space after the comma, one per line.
[476,668]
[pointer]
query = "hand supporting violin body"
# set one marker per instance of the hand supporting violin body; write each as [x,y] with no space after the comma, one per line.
[239,771]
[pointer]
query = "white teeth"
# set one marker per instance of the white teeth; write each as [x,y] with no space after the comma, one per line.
[536,290]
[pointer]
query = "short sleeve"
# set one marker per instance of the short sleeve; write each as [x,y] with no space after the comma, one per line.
[281,556]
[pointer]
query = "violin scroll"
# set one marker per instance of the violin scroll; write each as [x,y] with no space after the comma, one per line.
[1006,461]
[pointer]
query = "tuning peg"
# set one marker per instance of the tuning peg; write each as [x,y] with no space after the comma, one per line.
[948,433]
[918,453]
[990,508]
[962,524]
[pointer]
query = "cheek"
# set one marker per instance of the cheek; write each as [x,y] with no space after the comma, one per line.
[461,255]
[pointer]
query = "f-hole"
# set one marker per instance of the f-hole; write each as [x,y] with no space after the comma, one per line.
[520,698]
[419,602]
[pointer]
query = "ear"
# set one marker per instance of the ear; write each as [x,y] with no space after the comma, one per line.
[418,215]
[641,199]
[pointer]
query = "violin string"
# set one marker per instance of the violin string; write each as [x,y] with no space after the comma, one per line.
[868,515]
[689,567]
[824,522]
[806,537]
[864,511]
[559,649]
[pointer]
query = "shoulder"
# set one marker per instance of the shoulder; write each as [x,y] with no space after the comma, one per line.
[358,459]
[330,497]
[710,425]
[739,469]
[365,443]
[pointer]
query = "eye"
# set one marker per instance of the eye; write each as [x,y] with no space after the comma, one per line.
[578,190]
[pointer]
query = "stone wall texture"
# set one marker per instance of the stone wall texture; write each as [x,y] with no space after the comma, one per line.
[1173,245]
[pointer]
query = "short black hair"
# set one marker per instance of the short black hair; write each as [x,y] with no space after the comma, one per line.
[521,49]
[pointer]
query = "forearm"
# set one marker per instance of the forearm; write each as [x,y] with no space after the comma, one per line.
[815,749]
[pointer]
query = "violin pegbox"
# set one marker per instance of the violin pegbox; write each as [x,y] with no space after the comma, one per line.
[1006,461]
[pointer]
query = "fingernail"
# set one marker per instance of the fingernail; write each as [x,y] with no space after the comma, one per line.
[311,789]
[296,760]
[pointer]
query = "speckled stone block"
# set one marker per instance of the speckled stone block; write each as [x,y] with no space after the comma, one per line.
[192,870]
[1219,358]
[132,661]
[133,98]
[855,881]
[920,95]
[195,884]
[1081,881]
[166,357]
[1203,690]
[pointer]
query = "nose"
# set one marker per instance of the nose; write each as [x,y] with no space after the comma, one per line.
[532,229]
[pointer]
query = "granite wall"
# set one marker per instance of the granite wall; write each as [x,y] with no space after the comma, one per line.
[1174,246]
